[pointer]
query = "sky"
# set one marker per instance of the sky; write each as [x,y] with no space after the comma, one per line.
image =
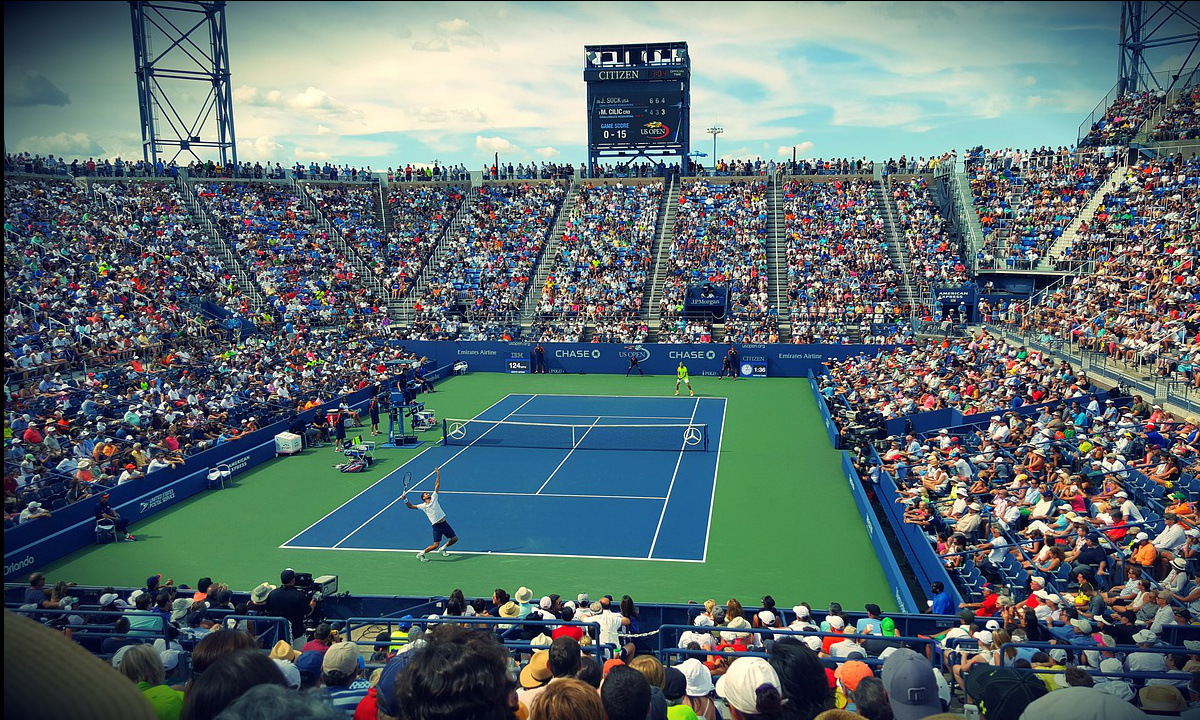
[385,84]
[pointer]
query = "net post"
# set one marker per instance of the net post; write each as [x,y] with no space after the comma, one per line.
[444,436]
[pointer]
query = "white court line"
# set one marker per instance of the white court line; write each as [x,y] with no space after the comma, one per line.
[632,397]
[548,495]
[504,554]
[624,417]
[671,487]
[568,456]
[716,470]
[427,476]
[385,477]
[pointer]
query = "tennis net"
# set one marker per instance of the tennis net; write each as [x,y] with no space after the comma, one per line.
[685,437]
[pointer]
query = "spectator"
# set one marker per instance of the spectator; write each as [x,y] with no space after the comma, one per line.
[143,665]
[460,673]
[226,680]
[625,694]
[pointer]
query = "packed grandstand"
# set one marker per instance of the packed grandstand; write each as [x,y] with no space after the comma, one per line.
[154,312]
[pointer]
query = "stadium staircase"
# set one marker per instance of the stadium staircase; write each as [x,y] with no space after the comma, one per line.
[1071,234]
[660,251]
[238,271]
[777,272]
[897,247]
[362,267]
[545,262]
[960,195]
[383,218]
[461,218]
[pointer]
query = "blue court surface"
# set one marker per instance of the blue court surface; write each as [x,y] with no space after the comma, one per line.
[507,499]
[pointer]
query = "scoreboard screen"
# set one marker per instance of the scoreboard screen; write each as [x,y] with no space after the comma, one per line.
[638,113]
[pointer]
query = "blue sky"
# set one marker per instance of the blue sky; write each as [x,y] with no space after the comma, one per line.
[387,84]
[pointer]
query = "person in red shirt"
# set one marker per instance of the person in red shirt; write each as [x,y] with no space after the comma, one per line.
[987,608]
[571,631]
[32,436]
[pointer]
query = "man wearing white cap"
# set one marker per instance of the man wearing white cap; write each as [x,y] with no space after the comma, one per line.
[1115,686]
[969,524]
[32,511]
[1142,661]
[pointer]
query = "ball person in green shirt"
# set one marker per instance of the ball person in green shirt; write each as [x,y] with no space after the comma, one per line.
[681,376]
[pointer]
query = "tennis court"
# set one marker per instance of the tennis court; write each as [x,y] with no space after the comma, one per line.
[536,474]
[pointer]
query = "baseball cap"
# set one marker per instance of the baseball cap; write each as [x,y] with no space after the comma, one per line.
[851,673]
[1144,636]
[1009,691]
[291,674]
[385,688]
[342,658]
[740,683]
[911,687]
[309,664]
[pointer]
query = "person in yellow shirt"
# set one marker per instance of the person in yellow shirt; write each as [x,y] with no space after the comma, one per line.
[681,376]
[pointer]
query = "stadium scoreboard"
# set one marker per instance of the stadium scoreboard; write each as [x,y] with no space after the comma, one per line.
[632,113]
[637,99]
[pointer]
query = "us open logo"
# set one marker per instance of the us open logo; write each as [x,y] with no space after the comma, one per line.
[640,352]
[655,130]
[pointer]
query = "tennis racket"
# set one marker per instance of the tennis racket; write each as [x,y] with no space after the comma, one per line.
[407,483]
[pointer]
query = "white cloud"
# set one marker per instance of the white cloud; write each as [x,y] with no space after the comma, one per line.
[315,99]
[494,145]
[71,145]
[547,152]
[449,34]
[802,149]
[306,154]
[263,147]
[457,26]
[322,130]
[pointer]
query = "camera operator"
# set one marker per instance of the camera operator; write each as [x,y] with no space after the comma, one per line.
[291,603]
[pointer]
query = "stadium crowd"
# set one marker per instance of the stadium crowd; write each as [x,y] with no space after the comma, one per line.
[487,268]
[839,271]
[1026,200]
[1181,121]
[720,238]
[178,656]
[603,261]
[1138,306]
[935,258]
[420,216]
[1122,119]
[304,276]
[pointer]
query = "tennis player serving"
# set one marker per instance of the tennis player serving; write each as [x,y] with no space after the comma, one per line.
[433,510]
[681,376]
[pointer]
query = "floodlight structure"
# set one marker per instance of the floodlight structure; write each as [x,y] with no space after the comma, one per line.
[1152,26]
[191,48]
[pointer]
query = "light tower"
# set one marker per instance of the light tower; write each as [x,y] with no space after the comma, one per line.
[177,46]
[715,130]
[1155,25]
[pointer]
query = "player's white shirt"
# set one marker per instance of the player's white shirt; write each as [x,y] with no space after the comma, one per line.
[432,509]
